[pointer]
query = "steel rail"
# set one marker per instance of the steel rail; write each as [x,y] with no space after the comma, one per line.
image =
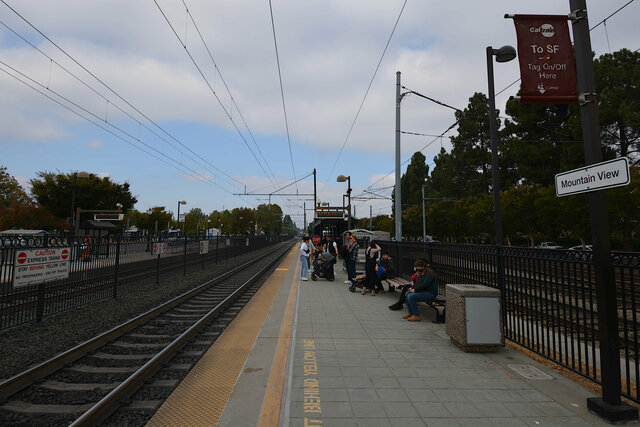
[28,377]
[112,401]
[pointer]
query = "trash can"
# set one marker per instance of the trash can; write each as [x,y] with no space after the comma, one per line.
[473,317]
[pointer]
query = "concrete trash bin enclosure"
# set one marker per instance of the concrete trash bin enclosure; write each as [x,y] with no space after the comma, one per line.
[473,319]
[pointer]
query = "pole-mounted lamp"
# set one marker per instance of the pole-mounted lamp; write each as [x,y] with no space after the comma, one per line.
[74,188]
[181,202]
[342,178]
[504,54]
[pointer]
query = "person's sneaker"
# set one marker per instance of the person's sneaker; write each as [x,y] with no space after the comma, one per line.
[347,282]
[304,278]
[395,307]
[408,315]
[373,293]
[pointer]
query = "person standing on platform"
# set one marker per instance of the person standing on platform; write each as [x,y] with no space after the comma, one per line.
[370,263]
[353,258]
[312,247]
[345,254]
[331,247]
[304,257]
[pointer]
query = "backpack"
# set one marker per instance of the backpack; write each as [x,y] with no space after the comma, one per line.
[381,269]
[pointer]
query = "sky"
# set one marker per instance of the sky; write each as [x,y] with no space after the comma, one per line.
[205,122]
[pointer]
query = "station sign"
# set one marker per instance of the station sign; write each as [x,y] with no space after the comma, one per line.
[41,265]
[545,54]
[159,248]
[599,176]
[204,247]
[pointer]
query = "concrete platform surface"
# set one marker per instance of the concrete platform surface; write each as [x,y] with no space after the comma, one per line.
[353,362]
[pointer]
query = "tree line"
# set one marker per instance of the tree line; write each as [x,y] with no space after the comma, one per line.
[48,207]
[535,143]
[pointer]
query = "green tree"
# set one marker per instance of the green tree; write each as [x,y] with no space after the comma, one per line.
[539,141]
[194,220]
[618,85]
[624,209]
[269,218]
[29,216]
[11,192]
[519,213]
[53,191]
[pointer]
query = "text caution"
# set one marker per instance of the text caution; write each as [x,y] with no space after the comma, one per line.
[600,176]
[41,265]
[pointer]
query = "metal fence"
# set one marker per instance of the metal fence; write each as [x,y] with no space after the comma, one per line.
[549,301]
[102,268]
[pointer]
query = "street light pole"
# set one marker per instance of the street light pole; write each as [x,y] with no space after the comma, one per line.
[74,187]
[149,233]
[180,202]
[504,54]
[342,178]
[424,219]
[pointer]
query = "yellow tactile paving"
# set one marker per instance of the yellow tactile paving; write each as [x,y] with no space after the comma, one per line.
[203,394]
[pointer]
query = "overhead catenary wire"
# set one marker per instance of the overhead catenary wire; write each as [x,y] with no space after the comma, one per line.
[284,107]
[233,100]
[99,122]
[208,84]
[103,84]
[366,93]
[92,89]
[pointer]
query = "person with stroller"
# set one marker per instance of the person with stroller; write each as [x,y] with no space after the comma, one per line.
[332,247]
[370,263]
[425,289]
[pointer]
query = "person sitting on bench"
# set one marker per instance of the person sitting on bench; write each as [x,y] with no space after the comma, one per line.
[404,288]
[425,289]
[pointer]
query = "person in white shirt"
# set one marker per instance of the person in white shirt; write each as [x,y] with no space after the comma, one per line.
[304,257]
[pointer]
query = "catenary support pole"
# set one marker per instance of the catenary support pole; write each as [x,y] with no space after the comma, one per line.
[398,195]
[609,406]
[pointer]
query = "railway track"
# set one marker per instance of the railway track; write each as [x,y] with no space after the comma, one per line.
[134,365]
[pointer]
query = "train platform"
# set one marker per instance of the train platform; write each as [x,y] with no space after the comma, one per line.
[310,353]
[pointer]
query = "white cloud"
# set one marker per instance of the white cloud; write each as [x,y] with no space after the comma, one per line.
[94,143]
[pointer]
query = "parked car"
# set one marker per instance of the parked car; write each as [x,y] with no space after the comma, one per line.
[579,252]
[549,245]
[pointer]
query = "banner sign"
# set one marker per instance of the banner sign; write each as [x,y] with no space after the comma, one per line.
[547,67]
[41,265]
[599,176]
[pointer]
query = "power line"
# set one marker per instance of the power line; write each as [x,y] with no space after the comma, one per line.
[384,51]
[98,123]
[605,19]
[209,86]
[429,98]
[92,89]
[284,107]
[229,92]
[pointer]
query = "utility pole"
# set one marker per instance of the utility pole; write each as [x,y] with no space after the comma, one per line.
[398,195]
[424,219]
[370,217]
[609,406]
[304,209]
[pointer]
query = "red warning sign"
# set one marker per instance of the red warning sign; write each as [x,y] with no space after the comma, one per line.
[40,265]
[316,239]
[22,257]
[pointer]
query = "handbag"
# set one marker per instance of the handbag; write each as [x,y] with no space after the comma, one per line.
[381,270]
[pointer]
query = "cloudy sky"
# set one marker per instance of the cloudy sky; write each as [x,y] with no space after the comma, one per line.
[139,110]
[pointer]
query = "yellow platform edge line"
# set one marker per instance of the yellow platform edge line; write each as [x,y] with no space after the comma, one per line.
[272,405]
[203,394]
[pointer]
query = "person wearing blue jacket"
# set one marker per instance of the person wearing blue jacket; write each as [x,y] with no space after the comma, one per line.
[424,290]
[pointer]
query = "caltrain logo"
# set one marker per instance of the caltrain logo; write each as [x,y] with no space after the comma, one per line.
[546,30]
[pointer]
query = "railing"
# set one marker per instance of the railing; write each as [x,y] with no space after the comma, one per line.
[102,268]
[549,303]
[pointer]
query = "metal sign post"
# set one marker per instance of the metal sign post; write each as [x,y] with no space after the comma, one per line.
[609,406]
